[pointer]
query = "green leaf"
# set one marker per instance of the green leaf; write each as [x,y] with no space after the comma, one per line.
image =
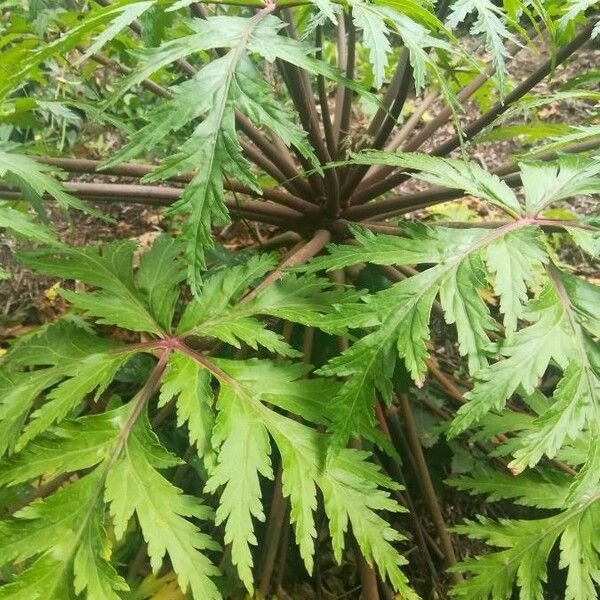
[128,14]
[540,488]
[159,278]
[66,530]
[254,98]
[464,308]
[214,150]
[243,433]
[490,23]
[60,343]
[526,546]
[545,183]
[29,59]
[109,267]
[190,384]
[223,288]
[284,385]
[403,312]
[576,406]
[24,225]
[92,373]
[353,491]
[133,485]
[419,42]
[91,573]
[447,172]
[375,36]
[243,454]
[515,261]
[19,391]
[72,446]
[527,355]
[573,9]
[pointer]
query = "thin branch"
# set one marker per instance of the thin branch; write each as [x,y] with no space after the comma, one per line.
[342,64]
[275,525]
[343,101]
[394,469]
[377,171]
[300,256]
[295,89]
[389,97]
[425,482]
[405,77]
[463,95]
[278,155]
[282,239]
[265,212]
[385,185]
[300,90]
[411,122]
[323,99]
[404,203]
[81,165]
[368,577]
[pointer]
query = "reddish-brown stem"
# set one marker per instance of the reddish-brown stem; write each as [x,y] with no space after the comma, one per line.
[425,482]
[296,90]
[404,203]
[385,185]
[343,105]
[412,122]
[323,99]
[394,89]
[300,88]
[163,196]
[275,525]
[395,471]
[277,155]
[308,250]
[405,80]
[368,577]
[93,167]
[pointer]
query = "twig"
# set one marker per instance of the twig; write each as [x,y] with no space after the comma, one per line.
[425,482]
[385,185]
[404,73]
[308,250]
[94,167]
[323,100]
[275,524]
[343,106]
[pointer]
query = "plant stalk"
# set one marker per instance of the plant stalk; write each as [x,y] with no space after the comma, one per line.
[300,256]
[426,483]
[385,185]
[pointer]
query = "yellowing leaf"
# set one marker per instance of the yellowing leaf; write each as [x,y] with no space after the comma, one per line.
[52,292]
